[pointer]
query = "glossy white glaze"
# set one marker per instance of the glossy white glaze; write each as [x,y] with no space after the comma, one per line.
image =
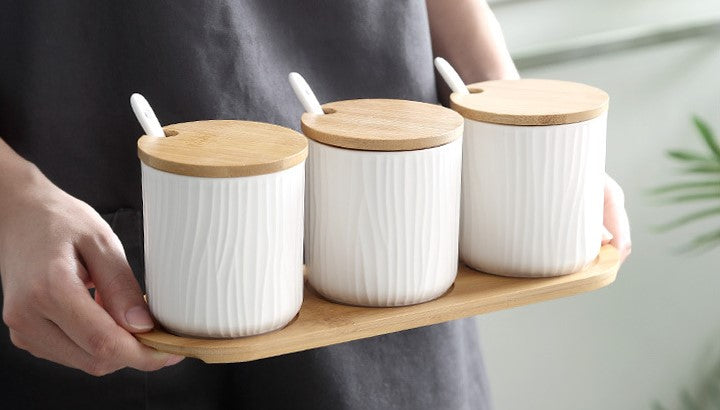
[382,227]
[532,197]
[223,256]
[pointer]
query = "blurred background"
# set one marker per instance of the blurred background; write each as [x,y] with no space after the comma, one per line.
[651,340]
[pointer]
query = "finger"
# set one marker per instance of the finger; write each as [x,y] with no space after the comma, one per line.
[105,260]
[615,218]
[92,329]
[98,299]
[48,342]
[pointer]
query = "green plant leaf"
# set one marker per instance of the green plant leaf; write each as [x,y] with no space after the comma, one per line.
[710,168]
[687,156]
[689,218]
[707,238]
[702,243]
[715,194]
[688,402]
[713,394]
[706,164]
[685,185]
[707,135]
[706,394]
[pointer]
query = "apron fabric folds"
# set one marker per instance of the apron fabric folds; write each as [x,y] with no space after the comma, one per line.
[67,73]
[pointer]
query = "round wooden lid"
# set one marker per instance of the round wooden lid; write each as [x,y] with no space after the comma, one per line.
[383,125]
[530,102]
[223,148]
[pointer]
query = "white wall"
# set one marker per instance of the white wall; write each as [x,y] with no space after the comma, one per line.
[528,23]
[646,336]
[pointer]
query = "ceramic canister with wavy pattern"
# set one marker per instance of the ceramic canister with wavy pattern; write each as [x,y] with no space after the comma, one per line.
[533,176]
[223,222]
[382,201]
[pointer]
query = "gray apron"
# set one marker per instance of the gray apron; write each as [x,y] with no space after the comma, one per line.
[67,71]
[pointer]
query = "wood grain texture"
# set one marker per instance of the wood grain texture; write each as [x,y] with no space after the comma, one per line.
[383,125]
[223,149]
[322,323]
[530,102]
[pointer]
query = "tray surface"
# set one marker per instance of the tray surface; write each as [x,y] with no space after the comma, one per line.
[323,323]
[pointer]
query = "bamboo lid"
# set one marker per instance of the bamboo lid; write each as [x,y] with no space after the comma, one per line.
[383,125]
[530,102]
[223,148]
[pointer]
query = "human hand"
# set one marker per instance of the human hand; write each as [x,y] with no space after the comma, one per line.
[53,247]
[615,219]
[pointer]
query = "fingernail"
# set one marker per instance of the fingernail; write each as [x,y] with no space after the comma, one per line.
[174,359]
[139,318]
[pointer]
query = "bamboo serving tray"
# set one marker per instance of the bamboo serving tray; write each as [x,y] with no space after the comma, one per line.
[323,323]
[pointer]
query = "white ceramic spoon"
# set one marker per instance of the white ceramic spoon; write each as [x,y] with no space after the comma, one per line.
[146,116]
[304,93]
[450,76]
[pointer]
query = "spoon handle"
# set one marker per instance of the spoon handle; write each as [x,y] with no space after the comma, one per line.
[305,94]
[146,116]
[450,76]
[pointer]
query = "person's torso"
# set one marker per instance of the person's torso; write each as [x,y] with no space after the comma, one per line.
[66,76]
[69,68]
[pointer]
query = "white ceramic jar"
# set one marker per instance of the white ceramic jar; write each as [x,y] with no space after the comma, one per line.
[382,201]
[223,222]
[533,176]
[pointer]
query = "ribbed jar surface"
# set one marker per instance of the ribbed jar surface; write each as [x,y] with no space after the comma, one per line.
[223,255]
[532,197]
[382,227]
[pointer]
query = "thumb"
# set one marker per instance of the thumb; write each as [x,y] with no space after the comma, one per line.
[105,261]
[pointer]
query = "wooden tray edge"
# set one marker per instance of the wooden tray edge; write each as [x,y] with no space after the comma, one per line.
[404,318]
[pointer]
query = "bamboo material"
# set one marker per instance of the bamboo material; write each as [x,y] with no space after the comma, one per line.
[383,125]
[223,148]
[530,102]
[322,323]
